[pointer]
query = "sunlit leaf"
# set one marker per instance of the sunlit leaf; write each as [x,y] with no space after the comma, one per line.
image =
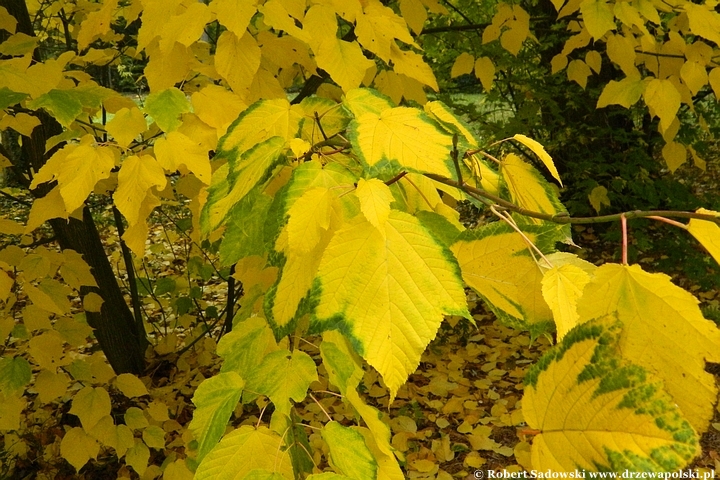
[496,262]
[166,106]
[282,376]
[707,233]
[401,138]
[215,399]
[348,452]
[244,450]
[389,293]
[650,306]
[596,411]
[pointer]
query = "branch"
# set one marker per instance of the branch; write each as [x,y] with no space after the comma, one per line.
[453,28]
[564,218]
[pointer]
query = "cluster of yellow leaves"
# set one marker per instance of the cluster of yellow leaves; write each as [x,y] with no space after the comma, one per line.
[649,43]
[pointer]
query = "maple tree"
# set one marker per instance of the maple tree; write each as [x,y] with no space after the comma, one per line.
[334,211]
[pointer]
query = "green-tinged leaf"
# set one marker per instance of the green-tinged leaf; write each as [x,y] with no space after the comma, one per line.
[18,44]
[130,385]
[73,330]
[62,104]
[366,100]
[446,231]
[284,302]
[542,154]
[496,263]
[135,418]
[651,307]
[375,198]
[215,399]
[137,457]
[595,411]
[90,405]
[6,284]
[154,437]
[77,447]
[388,466]
[166,106]
[262,474]
[705,232]
[345,372]
[15,373]
[230,184]
[245,232]
[322,118]
[244,450]
[49,295]
[8,97]
[296,439]
[387,291]
[259,122]
[349,454]
[283,376]
[401,138]
[598,17]
[599,197]
[245,347]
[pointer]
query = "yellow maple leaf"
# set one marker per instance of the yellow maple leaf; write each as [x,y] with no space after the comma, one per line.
[561,287]
[77,168]
[344,61]
[542,154]
[235,15]
[135,236]
[177,150]
[237,60]
[390,295]
[77,447]
[661,321]
[137,176]
[707,233]
[595,411]
[375,198]
[496,263]
[402,135]
[126,125]
[96,24]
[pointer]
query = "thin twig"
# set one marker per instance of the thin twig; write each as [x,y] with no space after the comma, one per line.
[623,222]
[321,407]
[563,218]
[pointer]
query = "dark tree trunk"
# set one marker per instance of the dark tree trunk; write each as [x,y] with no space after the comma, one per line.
[115,328]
